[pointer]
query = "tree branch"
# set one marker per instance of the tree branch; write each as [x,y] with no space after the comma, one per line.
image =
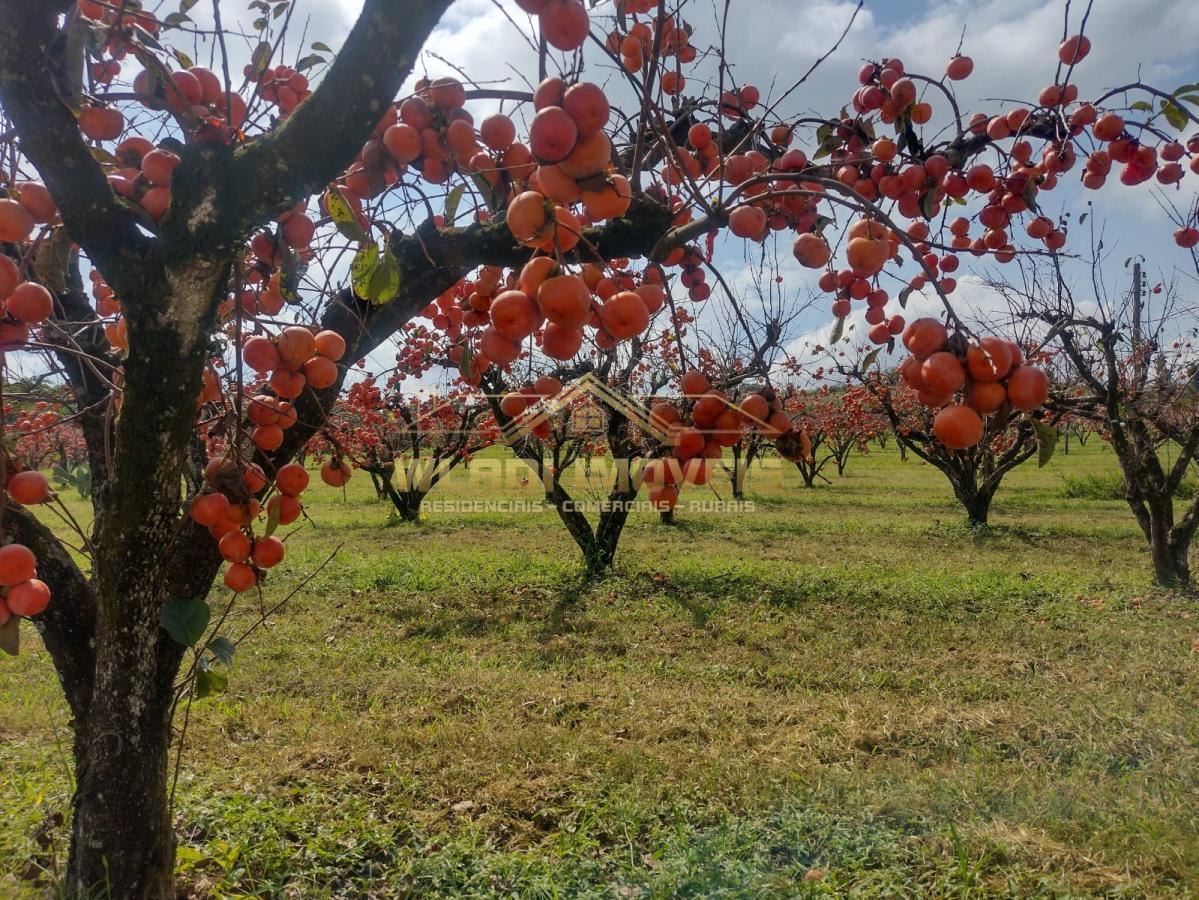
[31,57]
[431,261]
[327,131]
[69,622]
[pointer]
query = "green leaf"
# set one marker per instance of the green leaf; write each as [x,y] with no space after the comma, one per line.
[483,186]
[324,48]
[903,297]
[870,358]
[928,203]
[157,74]
[1030,193]
[183,59]
[96,40]
[451,203]
[292,271]
[273,514]
[467,364]
[826,139]
[1174,115]
[362,269]
[185,619]
[1046,440]
[261,57]
[385,283]
[209,682]
[280,9]
[1185,89]
[1191,98]
[309,61]
[223,649]
[343,215]
[146,39]
[1141,106]
[186,5]
[838,330]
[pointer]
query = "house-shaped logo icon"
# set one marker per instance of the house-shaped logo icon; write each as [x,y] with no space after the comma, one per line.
[589,387]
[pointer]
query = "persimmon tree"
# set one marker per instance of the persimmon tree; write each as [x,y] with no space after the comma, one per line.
[552,432]
[835,423]
[1133,352]
[975,472]
[174,237]
[41,439]
[744,353]
[417,439]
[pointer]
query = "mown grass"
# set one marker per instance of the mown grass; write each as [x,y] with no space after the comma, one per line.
[839,691]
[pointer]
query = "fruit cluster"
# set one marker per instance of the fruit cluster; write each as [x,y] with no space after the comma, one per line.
[636,45]
[108,307]
[296,358]
[144,175]
[26,303]
[988,375]
[871,244]
[432,133]
[546,301]
[228,507]
[516,403]
[282,86]
[22,593]
[710,422]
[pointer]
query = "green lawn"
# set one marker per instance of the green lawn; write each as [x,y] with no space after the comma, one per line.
[839,691]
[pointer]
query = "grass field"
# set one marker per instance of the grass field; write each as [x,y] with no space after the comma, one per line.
[841,691]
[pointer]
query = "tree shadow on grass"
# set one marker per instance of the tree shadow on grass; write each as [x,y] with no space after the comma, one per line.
[992,534]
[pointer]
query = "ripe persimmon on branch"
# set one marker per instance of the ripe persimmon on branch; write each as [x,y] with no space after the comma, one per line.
[254,228]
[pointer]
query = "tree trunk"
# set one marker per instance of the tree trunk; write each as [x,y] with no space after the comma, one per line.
[122,841]
[1153,507]
[807,473]
[378,481]
[408,504]
[740,465]
[842,460]
[600,555]
[975,500]
[1170,565]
